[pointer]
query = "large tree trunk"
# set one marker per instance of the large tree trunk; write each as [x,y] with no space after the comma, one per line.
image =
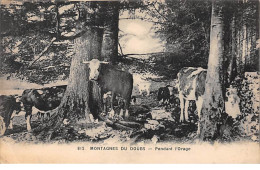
[75,100]
[213,103]
[73,114]
[110,36]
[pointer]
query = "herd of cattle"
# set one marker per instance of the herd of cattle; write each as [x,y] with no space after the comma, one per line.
[113,83]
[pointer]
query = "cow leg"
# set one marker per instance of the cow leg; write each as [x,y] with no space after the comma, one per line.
[182,102]
[11,120]
[2,126]
[186,115]
[199,107]
[48,115]
[42,117]
[104,103]
[28,121]
[148,92]
[121,112]
[28,115]
[127,104]
[39,115]
[122,105]
[112,112]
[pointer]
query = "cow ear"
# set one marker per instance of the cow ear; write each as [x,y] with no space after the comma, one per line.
[104,62]
[85,62]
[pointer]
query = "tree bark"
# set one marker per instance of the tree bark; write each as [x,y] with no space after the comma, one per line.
[232,72]
[213,103]
[110,37]
[257,34]
[73,114]
[77,93]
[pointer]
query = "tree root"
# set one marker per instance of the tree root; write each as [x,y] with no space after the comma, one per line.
[56,129]
[119,124]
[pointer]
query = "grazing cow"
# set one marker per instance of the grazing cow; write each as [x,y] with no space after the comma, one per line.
[44,99]
[109,79]
[8,107]
[191,86]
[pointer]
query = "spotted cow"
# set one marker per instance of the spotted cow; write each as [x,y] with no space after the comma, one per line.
[191,86]
[44,99]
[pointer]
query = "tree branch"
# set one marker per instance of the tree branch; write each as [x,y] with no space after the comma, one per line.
[120,47]
[40,55]
[160,13]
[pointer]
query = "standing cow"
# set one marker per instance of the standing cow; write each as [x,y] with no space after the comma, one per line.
[163,95]
[8,107]
[44,99]
[166,95]
[191,86]
[110,79]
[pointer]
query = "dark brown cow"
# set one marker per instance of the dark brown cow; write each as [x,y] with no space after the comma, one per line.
[8,107]
[119,82]
[166,95]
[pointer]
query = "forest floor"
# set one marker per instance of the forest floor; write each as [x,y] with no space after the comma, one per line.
[159,124]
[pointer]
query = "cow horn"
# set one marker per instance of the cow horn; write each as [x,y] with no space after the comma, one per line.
[104,62]
[85,62]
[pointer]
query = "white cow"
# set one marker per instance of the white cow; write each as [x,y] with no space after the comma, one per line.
[141,85]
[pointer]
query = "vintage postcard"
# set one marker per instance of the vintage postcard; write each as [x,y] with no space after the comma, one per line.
[132,82]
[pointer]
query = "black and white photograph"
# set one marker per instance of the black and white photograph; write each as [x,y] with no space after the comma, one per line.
[129,81]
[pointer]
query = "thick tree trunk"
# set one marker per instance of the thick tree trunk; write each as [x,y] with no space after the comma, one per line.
[73,114]
[75,100]
[110,36]
[213,103]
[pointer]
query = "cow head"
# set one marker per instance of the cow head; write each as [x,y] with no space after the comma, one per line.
[18,104]
[94,68]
